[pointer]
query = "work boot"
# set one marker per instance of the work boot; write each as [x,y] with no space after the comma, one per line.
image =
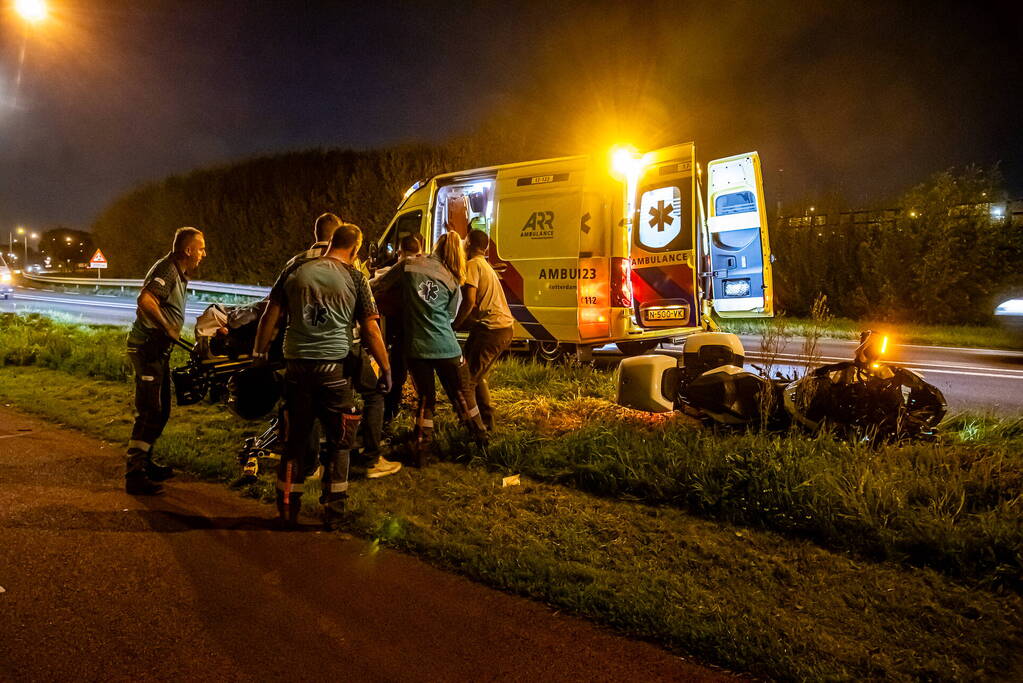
[157,472]
[138,484]
[334,509]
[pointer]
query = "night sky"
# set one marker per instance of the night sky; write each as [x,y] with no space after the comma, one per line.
[858,100]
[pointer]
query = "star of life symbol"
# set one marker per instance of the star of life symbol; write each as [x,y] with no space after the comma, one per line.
[428,291]
[661,215]
[315,314]
[661,212]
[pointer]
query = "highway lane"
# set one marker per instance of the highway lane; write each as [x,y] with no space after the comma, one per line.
[96,309]
[971,379]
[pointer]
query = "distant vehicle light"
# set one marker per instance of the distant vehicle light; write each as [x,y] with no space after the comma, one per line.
[1010,307]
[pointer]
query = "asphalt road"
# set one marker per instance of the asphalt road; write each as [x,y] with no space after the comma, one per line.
[989,380]
[194,585]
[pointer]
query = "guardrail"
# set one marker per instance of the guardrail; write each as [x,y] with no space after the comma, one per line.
[193,285]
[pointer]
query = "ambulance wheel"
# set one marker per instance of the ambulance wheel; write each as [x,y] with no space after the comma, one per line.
[635,348]
[549,351]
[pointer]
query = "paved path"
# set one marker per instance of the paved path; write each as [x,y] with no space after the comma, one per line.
[195,586]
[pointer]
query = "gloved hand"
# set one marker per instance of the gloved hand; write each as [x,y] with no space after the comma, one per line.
[384,382]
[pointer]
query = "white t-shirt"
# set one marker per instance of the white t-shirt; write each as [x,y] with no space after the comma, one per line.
[492,306]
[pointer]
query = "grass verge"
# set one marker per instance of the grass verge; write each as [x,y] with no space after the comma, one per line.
[742,585]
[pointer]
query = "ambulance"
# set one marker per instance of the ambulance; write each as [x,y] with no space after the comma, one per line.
[600,249]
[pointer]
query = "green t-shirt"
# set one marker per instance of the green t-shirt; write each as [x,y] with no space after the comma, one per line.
[169,285]
[323,298]
[430,296]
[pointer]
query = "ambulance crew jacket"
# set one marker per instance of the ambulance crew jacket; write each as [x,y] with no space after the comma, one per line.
[323,297]
[431,295]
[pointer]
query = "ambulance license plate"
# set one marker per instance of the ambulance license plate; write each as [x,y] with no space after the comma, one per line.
[658,314]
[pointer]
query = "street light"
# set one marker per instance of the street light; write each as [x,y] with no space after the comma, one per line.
[32,11]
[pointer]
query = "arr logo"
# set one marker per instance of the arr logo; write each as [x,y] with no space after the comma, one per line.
[539,226]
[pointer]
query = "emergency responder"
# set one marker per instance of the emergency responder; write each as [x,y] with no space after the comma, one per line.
[323,298]
[430,294]
[410,245]
[372,400]
[485,311]
[323,230]
[158,321]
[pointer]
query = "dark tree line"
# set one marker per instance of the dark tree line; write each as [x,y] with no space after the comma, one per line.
[256,213]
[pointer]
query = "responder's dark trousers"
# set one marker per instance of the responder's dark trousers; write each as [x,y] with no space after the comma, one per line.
[151,363]
[482,349]
[316,389]
[399,368]
[454,377]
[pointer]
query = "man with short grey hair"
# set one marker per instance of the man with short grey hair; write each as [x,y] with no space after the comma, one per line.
[158,321]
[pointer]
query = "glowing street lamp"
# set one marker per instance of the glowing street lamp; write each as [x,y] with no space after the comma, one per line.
[32,11]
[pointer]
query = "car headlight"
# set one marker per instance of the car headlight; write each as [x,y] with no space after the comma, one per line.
[5,277]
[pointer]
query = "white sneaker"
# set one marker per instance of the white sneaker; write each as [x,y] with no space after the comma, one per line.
[382,468]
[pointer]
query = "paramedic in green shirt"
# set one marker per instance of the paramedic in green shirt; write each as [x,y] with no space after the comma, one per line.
[158,321]
[429,287]
[323,297]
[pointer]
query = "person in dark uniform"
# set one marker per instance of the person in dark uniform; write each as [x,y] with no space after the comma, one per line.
[158,321]
[363,377]
[323,298]
[410,245]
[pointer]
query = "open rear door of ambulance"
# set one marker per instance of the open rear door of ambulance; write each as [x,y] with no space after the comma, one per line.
[662,240]
[739,249]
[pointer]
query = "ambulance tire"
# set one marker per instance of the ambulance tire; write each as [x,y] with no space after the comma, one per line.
[636,348]
[551,351]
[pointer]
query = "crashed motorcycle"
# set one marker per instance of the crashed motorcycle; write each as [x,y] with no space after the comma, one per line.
[863,398]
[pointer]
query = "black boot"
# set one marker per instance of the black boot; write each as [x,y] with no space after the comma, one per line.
[157,472]
[138,484]
[334,517]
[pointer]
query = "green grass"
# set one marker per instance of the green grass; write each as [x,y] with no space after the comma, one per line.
[980,336]
[808,558]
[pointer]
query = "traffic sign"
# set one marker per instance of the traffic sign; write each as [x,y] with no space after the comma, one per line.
[98,260]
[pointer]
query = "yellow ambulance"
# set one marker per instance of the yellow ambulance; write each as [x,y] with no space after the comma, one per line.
[617,248]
